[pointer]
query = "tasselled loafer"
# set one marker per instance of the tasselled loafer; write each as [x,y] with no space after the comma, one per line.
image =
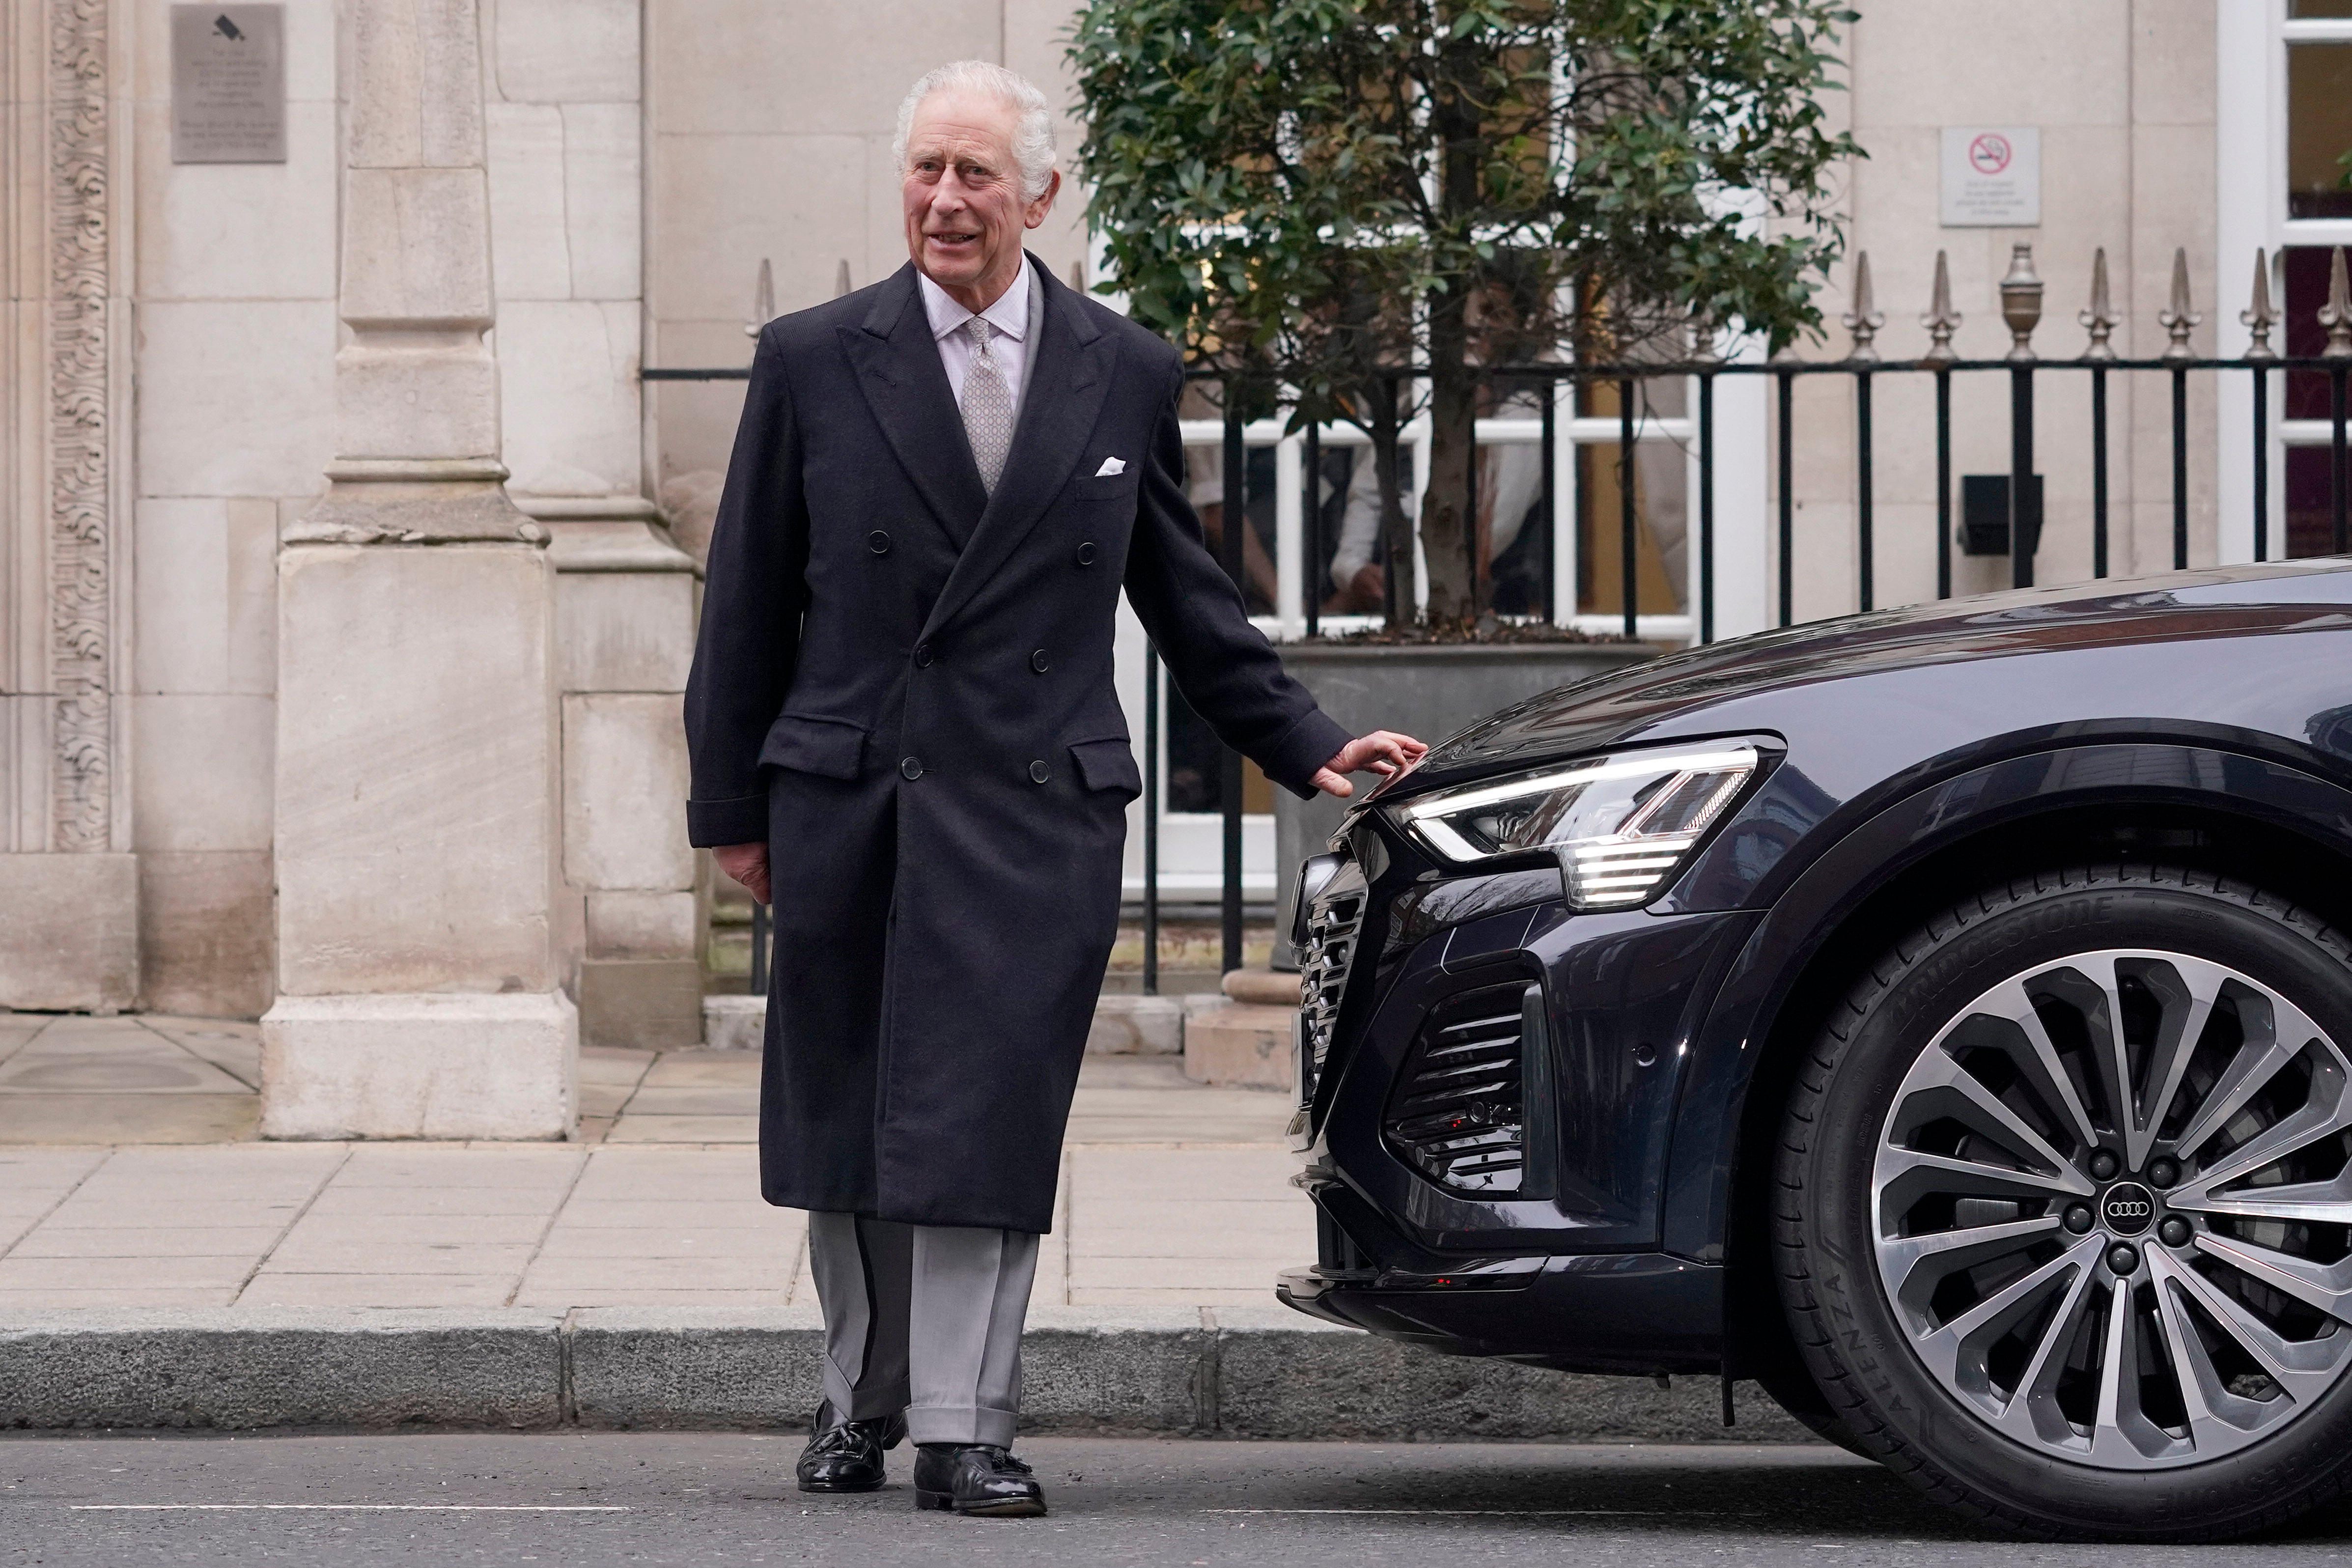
[977,1478]
[846,1456]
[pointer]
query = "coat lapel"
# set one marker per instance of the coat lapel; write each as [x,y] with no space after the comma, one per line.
[1074,359]
[905,385]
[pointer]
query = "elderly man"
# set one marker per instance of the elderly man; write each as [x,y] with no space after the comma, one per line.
[903,724]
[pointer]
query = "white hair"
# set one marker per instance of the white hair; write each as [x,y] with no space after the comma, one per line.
[1033,138]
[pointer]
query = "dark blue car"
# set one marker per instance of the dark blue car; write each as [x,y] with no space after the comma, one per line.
[1938,1016]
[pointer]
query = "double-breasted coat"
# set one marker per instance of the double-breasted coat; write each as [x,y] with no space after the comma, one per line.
[904,685]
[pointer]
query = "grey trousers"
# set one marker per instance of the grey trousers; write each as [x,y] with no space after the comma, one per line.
[924,1319]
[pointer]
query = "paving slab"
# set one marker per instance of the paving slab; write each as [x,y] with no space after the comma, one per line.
[55,1118]
[231,1044]
[633,1128]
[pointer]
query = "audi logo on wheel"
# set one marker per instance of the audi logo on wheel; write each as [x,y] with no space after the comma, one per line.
[2127,1208]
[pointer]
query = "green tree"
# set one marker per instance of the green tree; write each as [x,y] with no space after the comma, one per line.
[1303,193]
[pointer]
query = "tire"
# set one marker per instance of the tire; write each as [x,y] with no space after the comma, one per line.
[1956,1192]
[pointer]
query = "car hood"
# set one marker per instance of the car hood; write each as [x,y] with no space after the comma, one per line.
[1674,694]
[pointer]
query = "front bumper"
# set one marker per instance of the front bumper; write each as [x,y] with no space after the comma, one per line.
[1555,1259]
[1607,1312]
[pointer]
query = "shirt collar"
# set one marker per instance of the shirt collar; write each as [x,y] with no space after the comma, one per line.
[1009,315]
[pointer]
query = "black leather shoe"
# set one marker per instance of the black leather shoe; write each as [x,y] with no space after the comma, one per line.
[846,1456]
[975,1479]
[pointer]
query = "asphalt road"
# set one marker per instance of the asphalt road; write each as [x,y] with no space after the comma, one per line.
[582,1499]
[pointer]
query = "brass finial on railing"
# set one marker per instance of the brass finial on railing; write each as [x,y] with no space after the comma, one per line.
[2337,314]
[2021,302]
[1941,321]
[2178,318]
[2100,318]
[2258,317]
[1864,320]
[764,300]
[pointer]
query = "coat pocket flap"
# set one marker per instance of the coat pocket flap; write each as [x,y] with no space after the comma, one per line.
[1107,764]
[832,748]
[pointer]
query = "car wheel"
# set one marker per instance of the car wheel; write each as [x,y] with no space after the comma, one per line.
[2064,1215]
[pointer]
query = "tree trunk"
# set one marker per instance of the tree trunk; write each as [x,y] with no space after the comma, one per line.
[1396,526]
[1446,523]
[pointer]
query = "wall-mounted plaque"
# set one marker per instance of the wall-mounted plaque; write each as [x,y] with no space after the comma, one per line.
[1992,176]
[229,84]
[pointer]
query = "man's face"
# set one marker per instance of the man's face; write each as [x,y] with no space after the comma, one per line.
[963,195]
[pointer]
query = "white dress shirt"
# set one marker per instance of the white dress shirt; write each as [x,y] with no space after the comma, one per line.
[1009,316]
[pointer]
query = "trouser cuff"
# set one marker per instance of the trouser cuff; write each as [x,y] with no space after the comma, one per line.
[962,1424]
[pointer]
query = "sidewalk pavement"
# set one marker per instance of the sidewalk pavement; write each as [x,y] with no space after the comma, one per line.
[158,1267]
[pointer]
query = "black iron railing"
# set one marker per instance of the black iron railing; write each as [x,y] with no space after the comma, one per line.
[1564,386]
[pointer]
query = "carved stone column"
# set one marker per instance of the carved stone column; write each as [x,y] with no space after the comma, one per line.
[417,811]
[69,889]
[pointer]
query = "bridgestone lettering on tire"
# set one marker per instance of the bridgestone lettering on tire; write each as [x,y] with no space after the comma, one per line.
[2064,1218]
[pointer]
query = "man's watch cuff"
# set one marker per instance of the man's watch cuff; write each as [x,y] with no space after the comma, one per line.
[711,823]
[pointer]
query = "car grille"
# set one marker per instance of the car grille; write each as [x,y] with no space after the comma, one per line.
[1459,1111]
[1332,922]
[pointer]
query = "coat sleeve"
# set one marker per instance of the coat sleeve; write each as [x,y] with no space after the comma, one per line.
[754,593]
[1196,618]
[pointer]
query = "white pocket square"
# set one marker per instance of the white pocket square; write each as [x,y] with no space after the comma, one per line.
[1110,465]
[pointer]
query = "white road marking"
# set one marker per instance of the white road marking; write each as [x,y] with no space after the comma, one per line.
[344,1508]
[1466,1513]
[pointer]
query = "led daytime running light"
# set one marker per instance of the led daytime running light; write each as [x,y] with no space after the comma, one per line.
[1600,835]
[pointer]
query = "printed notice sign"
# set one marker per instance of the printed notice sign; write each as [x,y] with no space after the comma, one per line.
[1992,176]
[229,84]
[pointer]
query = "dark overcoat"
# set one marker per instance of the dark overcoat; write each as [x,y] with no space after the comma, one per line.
[904,685]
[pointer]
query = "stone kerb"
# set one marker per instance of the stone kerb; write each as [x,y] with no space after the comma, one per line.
[1251,1372]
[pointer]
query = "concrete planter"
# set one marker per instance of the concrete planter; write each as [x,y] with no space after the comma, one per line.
[1428,691]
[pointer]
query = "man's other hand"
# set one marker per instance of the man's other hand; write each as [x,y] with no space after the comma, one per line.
[748,864]
[1382,752]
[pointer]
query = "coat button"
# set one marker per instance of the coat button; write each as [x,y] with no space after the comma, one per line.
[1086,553]
[878,542]
[912,767]
[1038,661]
[1039,772]
[922,655]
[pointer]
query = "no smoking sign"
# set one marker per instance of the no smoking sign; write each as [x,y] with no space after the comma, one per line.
[1991,176]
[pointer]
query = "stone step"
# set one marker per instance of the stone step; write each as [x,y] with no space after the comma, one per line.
[1244,1031]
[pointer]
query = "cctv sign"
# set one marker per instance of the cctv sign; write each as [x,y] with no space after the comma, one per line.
[1991,176]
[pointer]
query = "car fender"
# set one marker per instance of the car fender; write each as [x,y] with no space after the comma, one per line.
[1740,1025]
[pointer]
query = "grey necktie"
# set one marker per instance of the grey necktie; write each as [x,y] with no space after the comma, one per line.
[987,406]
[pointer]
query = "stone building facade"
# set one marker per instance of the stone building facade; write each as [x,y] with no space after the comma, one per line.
[347,569]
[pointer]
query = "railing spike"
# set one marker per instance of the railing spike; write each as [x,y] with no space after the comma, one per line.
[841,279]
[2258,317]
[2021,302]
[1941,321]
[1864,320]
[2100,318]
[2337,314]
[2179,319]
[764,300]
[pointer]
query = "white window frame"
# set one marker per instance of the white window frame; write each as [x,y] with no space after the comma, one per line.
[2251,40]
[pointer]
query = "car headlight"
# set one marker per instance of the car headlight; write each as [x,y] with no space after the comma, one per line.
[1620,825]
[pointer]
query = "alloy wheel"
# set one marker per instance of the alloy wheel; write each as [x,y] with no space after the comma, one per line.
[2112,1209]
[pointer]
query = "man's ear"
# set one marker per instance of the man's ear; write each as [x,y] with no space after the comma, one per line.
[1035,213]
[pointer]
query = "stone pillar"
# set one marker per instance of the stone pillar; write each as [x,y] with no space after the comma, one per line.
[416,825]
[69,884]
[625,639]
